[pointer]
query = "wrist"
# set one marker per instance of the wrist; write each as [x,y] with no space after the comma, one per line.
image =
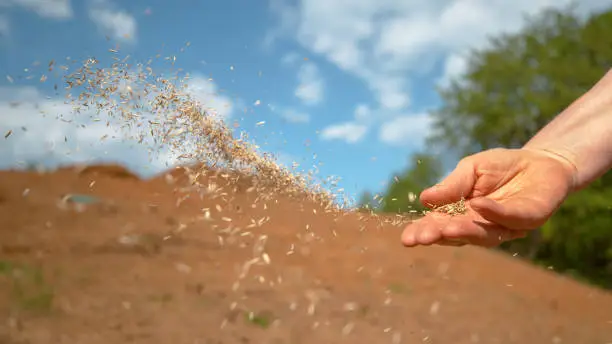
[567,161]
[580,137]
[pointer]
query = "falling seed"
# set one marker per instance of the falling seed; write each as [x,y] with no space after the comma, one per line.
[411,197]
[184,268]
[180,119]
[350,306]
[259,124]
[266,258]
[434,308]
[8,133]
[10,79]
[347,329]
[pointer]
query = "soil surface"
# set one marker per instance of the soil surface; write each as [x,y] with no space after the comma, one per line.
[96,255]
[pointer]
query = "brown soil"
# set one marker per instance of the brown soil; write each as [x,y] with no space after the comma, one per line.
[146,264]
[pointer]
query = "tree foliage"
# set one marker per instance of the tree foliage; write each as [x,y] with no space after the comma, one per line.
[402,192]
[401,195]
[366,202]
[511,89]
[520,82]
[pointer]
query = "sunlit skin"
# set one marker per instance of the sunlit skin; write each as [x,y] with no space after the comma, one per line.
[509,192]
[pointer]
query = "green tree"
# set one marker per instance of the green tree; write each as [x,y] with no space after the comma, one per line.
[510,90]
[366,202]
[402,193]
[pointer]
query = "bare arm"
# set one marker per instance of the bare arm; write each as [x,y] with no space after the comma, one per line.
[581,135]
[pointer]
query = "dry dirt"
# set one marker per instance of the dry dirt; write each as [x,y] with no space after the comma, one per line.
[140,263]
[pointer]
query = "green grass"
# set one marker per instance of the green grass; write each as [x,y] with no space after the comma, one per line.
[162,298]
[29,290]
[363,310]
[398,288]
[263,320]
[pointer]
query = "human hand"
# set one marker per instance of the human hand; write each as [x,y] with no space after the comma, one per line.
[507,193]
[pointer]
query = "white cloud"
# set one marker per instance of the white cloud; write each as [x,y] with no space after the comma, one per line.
[310,84]
[206,92]
[295,116]
[362,112]
[454,66]
[387,43]
[290,59]
[47,131]
[350,132]
[111,21]
[5,26]
[54,9]
[290,114]
[405,130]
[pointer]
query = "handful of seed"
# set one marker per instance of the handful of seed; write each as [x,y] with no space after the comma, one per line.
[452,209]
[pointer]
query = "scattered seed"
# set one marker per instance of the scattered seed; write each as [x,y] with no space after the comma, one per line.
[347,329]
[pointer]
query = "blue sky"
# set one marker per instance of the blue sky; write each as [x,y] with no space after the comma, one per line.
[349,81]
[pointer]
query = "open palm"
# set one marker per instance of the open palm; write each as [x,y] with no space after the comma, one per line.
[507,191]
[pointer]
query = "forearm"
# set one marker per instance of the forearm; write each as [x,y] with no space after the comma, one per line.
[582,134]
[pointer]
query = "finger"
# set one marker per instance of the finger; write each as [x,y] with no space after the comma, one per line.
[519,214]
[457,184]
[442,229]
[479,233]
[424,231]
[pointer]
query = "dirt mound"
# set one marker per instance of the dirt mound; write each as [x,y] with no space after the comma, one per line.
[203,176]
[112,171]
[95,257]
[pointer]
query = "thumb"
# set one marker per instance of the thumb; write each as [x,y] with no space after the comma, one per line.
[459,183]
